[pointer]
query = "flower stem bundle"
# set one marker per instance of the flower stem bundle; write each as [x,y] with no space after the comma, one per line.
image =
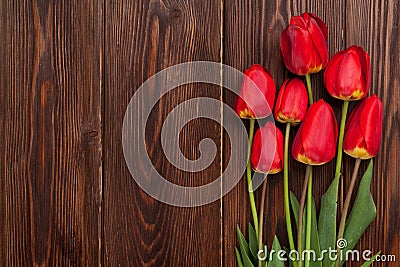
[305,52]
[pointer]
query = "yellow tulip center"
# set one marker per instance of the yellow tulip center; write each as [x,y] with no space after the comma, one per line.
[304,159]
[315,69]
[358,153]
[245,113]
[282,118]
[356,95]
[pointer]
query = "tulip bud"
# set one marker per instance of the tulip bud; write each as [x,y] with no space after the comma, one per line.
[348,74]
[363,132]
[292,102]
[267,139]
[303,44]
[315,141]
[257,94]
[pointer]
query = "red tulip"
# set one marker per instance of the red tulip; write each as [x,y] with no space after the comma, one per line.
[267,150]
[348,74]
[292,102]
[257,94]
[363,132]
[303,44]
[315,141]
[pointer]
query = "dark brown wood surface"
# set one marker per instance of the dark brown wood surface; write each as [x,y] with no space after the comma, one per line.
[51,178]
[69,69]
[146,37]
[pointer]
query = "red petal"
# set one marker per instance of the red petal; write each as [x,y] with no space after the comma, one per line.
[331,73]
[321,24]
[241,109]
[354,117]
[264,154]
[353,137]
[350,74]
[371,124]
[256,150]
[295,100]
[279,144]
[299,21]
[321,55]
[258,91]
[301,53]
[319,133]
[279,99]
[365,66]
[297,146]
[286,48]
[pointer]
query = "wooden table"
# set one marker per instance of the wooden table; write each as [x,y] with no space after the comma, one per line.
[68,71]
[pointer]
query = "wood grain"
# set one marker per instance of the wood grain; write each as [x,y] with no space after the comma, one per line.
[68,72]
[144,37]
[51,156]
[378,34]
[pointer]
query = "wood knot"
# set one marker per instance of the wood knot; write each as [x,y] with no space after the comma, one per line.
[90,133]
[174,14]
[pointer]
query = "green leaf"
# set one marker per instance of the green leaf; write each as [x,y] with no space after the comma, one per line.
[295,208]
[327,219]
[363,212]
[287,250]
[253,243]
[244,249]
[238,258]
[315,246]
[371,260]
[274,260]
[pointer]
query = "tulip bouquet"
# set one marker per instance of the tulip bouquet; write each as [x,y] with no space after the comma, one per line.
[318,139]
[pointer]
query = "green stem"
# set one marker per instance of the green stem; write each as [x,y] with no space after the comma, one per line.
[341,197]
[300,217]
[286,190]
[341,135]
[308,228]
[249,184]
[260,231]
[309,89]
[346,207]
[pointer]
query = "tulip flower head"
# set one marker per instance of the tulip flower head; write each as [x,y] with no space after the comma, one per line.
[292,102]
[363,132]
[267,139]
[303,44]
[348,74]
[257,95]
[315,141]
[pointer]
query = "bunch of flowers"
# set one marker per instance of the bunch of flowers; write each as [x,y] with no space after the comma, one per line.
[318,139]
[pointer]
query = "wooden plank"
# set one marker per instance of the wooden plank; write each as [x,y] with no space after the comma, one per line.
[51,107]
[251,35]
[374,25]
[51,153]
[143,37]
